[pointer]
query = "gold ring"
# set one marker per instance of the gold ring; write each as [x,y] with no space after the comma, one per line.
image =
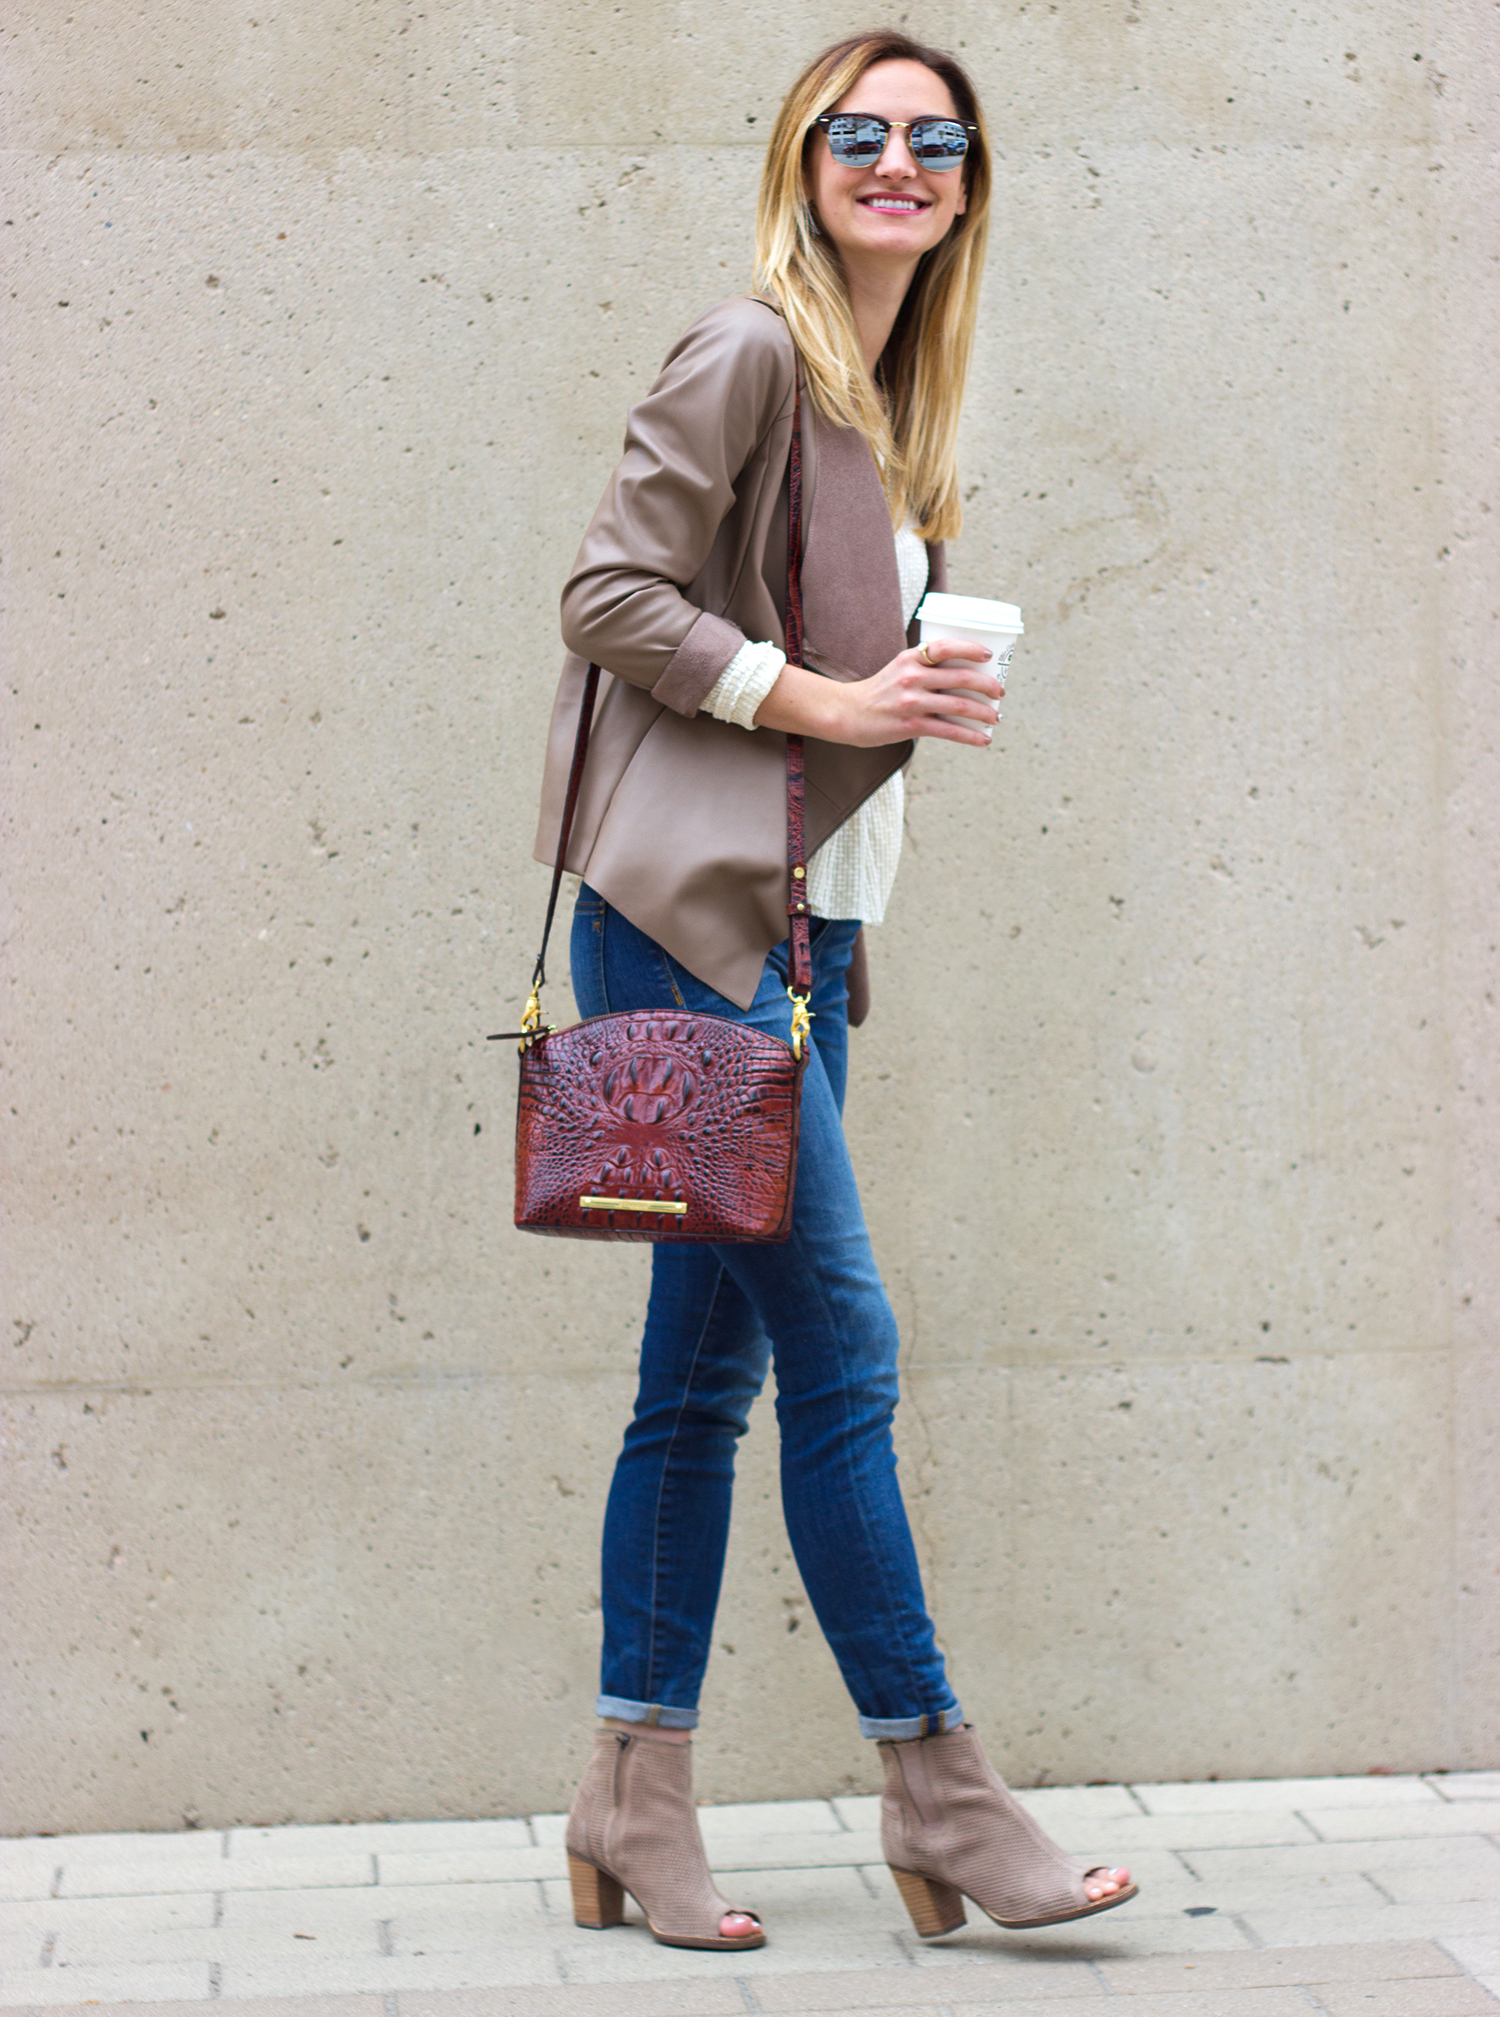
[925,655]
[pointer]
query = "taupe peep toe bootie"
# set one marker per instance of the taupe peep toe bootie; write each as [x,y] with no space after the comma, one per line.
[634,1828]
[951,1830]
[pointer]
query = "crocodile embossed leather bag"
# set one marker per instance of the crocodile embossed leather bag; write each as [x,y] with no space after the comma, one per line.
[663,1125]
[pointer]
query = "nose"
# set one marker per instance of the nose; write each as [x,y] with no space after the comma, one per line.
[897,158]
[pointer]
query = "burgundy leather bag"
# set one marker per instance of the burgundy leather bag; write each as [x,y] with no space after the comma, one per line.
[662,1125]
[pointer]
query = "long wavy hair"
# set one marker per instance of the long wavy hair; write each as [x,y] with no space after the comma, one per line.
[914,428]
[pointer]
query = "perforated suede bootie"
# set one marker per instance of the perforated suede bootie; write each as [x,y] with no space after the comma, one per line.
[951,1830]
[634,1828]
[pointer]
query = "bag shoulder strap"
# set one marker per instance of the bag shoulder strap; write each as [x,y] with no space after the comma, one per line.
[798,915]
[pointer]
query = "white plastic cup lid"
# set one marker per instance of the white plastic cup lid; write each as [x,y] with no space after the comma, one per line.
[975,611]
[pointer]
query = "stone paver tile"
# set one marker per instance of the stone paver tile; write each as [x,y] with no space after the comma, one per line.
[768,1817]
[1465,1785]
[186,1862]
[222,1945]
[1459,1817]
[1476,1879]
[1222,2003]
[121,1880]
[1125,1832]
[1107,1936]
[1444,1996]
[1479,1953]
[1455,1853]
[1079,1806]
[1380,1922]
[28,1868]
[384,1975]
[101,1923]
[792,1852]
[283,2006]
[893,1986]
[548,1830]
[1344,1890]
[351,1919]
[177,1982]
[859,1812]
[480,1920]
[708,1997]
[470,1866]
[1269,1967]
[409,1837]
[1249,1796]
[178,1845]
[309,1927]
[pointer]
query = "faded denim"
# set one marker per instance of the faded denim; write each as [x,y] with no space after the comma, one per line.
[716,1319]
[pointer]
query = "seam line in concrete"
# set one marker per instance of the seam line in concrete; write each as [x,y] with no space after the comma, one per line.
[747,1994]
[1249,1933]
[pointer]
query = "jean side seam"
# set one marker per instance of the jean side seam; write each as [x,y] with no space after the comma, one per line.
[666,1464]
[871,1525]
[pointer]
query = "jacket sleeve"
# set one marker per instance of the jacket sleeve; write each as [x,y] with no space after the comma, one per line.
[720,391]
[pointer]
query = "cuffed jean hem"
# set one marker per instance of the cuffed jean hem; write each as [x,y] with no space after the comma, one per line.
[912,1726]
[646,1712]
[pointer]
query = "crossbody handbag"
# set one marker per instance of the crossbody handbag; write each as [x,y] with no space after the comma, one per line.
[656,1124]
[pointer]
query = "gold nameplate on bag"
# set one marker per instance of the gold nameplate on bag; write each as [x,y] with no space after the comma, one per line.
[630,1205]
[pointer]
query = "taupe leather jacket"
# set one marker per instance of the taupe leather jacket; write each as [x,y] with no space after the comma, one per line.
[681,823]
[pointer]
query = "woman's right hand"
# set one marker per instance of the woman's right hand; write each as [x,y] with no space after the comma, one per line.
[952,699]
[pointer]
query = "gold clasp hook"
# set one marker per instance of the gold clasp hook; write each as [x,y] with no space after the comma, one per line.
[531,1018]
[801,1022]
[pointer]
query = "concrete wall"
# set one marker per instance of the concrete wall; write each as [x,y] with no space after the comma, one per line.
[1177,1108]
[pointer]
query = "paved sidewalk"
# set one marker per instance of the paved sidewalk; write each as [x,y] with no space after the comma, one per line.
[1375,1897]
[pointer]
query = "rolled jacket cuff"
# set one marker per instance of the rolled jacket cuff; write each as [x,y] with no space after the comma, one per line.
[695,667]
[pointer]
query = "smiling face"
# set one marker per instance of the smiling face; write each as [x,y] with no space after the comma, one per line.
[892,211]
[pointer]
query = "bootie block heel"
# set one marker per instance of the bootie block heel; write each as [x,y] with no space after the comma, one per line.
[634,1828]
[598,1901]
[951,1830]
[934,1908]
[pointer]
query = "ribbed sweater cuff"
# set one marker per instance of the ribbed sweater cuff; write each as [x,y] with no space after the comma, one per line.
[742,686]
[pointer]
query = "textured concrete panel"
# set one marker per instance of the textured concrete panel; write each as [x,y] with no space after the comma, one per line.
[1176,1111]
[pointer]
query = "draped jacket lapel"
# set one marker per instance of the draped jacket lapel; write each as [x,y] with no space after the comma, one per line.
[851,595]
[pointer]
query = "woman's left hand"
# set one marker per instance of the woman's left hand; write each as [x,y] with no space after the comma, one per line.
[939,689]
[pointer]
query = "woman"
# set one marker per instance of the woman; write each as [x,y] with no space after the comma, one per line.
[869,248]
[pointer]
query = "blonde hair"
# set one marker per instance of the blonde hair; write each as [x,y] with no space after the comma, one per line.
[926,361]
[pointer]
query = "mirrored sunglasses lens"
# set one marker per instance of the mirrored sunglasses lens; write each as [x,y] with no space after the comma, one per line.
[939,143]
[856,142]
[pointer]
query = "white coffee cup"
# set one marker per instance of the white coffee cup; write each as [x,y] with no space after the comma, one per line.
[976,620]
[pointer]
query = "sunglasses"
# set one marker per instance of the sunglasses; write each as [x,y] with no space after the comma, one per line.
[858,139]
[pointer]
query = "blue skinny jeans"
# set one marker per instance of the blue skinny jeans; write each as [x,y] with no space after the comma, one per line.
[716,1318]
